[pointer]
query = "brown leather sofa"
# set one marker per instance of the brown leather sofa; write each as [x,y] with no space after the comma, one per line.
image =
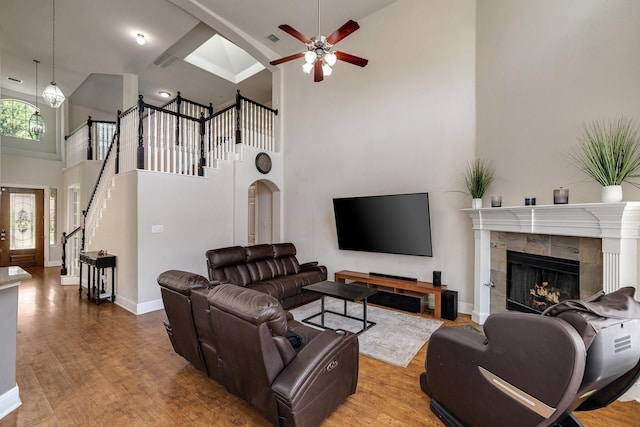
[534,370]
[243,339]
[269,268]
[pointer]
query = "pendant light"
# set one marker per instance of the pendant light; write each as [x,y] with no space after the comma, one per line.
[36,122]
[52,93]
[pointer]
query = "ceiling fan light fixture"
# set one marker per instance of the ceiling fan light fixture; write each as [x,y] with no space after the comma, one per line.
[331,59]
[310,57]
[319,55]
[307,67]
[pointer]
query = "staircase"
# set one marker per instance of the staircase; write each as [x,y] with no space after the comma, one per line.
[181,137]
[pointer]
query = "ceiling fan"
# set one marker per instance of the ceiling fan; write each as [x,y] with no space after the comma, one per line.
[319,55]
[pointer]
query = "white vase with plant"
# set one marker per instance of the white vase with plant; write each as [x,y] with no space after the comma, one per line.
[478,176]
[610,154]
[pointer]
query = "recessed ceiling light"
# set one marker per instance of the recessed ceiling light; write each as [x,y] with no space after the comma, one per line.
[140,39]
[164,94]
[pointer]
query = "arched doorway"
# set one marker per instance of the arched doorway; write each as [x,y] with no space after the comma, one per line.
[264,213]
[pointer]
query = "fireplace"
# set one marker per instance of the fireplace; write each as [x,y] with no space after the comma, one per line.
[536,282]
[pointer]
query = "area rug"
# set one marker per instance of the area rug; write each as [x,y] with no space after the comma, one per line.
[395,339]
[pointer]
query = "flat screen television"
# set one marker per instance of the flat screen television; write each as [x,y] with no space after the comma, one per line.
[395,224]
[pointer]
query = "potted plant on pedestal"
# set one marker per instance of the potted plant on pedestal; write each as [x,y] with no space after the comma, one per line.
[478,176]
[610,154]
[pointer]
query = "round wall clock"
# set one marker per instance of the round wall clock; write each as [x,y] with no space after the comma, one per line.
[263,163]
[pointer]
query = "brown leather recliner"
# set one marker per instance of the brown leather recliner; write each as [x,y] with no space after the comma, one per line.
[294,374]
[290,387]
[534,370]
[178,290]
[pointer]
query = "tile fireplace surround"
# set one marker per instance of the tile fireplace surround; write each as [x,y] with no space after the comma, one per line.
[616,224]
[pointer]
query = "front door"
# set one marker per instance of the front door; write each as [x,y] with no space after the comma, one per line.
[22,227]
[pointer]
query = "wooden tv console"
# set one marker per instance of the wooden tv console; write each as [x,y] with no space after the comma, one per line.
[403,287]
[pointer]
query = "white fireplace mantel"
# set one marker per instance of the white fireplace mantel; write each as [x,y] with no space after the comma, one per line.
[617,224]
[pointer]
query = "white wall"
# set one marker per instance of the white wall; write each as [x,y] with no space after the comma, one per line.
[405,123]
[195,214]
[546,67]
[246,174]
[83,176]
[117,234]
[79,114]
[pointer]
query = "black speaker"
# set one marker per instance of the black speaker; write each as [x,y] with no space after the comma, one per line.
[437,278]
[449,306]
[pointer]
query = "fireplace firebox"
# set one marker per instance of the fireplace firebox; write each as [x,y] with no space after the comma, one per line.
[536,282]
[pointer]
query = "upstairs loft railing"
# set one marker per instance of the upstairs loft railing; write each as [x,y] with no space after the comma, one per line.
[182,137]
[90,141]
[157,139]
[246,122]
[187,107]
[186,136]
[256,124]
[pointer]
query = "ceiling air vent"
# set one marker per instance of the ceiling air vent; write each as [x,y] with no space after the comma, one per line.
[273,38]
[165,59]
[13,79]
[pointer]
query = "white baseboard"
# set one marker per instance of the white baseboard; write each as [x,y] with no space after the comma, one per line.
[147,307]
[465,308]
[69,280]
[142,308]
[9,401]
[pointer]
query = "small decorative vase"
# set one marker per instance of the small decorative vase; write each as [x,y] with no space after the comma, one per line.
[476,203]
[611,194]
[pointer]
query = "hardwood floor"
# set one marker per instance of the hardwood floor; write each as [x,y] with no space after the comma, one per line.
[85,365]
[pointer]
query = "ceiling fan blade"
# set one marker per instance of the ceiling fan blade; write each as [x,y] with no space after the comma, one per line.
[287,58]
[342,32]
[295,33]
[318,75]
[352,59]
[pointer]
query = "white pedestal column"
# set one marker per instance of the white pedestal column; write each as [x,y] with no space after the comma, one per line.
[482,276]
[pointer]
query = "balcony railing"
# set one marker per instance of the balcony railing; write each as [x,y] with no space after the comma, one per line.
[90,141]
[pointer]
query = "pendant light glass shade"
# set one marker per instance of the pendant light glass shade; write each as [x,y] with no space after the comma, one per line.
[53,95]
[36,122]
[36,125]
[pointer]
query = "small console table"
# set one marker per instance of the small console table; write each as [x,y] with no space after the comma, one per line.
[397,286]
[97,263]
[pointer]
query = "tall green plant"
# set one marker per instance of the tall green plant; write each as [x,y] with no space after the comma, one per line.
[609,153]
[478,176]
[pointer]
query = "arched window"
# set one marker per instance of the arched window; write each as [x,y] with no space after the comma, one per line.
[14,119]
